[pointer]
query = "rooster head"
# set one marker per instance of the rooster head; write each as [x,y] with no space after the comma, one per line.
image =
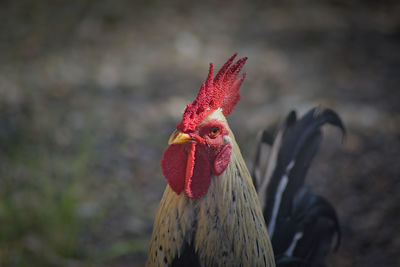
[200,145]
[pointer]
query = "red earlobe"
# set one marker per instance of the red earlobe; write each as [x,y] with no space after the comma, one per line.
[222,160]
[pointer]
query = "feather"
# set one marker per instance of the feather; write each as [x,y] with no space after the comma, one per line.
[301,225]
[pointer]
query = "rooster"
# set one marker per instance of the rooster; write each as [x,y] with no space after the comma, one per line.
[211,214]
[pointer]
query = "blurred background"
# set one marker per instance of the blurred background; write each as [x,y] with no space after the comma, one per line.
[91,90]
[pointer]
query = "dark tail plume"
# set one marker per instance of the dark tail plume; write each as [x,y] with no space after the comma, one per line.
[301,225]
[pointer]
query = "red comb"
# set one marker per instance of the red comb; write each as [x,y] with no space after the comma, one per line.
[219,92]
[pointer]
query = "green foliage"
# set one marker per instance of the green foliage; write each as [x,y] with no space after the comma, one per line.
[55,209]
[39,222]
[39,225]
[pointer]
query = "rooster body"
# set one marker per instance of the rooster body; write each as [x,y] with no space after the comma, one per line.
[211,214]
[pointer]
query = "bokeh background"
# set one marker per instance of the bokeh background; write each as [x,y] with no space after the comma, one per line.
[91,90]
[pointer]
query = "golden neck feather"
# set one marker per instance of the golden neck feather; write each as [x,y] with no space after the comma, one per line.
[225,226]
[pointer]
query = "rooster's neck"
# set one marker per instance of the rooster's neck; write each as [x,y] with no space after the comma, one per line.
[224,227]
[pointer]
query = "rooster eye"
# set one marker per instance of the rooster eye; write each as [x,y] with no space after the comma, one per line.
[214,131]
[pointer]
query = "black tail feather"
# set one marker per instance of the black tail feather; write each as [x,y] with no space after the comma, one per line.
[301,224]
[309,208]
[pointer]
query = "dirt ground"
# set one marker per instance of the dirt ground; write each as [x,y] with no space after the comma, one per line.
[91,90]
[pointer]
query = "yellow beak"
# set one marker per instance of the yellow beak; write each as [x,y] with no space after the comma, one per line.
[178,137]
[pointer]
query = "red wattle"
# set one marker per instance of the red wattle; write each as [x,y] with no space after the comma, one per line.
[189,170]
[222,159]
[198,172]
[173,165]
